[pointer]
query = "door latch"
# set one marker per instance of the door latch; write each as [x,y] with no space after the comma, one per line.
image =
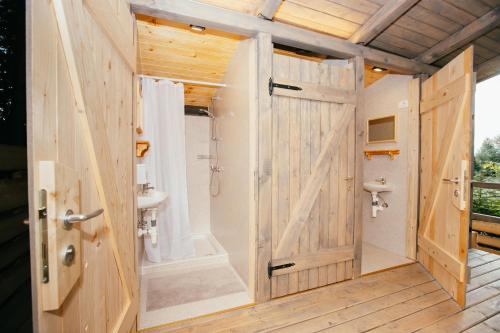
[271,268]
[44,244]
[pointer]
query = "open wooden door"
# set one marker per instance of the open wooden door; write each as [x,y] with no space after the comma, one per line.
[313,155]
[81,58]
[445,173]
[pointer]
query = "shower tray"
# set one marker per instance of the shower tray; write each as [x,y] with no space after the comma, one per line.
[208,251]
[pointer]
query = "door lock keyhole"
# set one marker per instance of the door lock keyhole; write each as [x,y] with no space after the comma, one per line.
[69,255]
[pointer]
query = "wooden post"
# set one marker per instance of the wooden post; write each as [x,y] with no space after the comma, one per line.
[264,247]
[413,169]
[359,65]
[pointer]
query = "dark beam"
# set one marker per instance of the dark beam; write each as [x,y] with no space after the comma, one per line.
[387,15]
[479,27]
[488,69]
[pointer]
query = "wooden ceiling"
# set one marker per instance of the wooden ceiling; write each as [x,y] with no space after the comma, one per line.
[168,49]
[173,50]
[423,26]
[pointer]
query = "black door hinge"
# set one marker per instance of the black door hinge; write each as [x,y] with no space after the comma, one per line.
[273,85]
[271,268]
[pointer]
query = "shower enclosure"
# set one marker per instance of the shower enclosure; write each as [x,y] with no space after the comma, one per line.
[219,167]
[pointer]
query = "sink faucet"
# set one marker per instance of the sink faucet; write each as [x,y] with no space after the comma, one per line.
[381,180]
[146,187]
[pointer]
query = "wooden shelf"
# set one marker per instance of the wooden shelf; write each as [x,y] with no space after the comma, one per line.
[389,152]
[141,147]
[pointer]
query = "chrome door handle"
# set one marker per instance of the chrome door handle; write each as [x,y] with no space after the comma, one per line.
[454,180]
[71,218]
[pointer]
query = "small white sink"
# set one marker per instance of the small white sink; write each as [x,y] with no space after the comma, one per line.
[378,187]
[151,199]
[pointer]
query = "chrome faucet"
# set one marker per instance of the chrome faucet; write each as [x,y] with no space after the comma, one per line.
[380,180]
[146,187]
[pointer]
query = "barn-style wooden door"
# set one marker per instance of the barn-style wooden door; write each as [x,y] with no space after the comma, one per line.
[313,140]
[81,58]
[445,164]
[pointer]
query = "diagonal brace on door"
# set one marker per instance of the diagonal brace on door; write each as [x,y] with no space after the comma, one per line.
[302,208]
[449,137]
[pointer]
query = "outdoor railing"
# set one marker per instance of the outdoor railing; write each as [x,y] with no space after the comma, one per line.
[485,216]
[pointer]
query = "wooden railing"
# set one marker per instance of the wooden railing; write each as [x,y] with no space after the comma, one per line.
[485,228]
[487,185]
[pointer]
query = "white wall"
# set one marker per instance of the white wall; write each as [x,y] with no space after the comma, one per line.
[233,210]
[198,143]
[388,229]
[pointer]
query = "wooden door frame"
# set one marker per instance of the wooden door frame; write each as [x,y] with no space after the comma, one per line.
[413,147]
[359,66]
[264,164]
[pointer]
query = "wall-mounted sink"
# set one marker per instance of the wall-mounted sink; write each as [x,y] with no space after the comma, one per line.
[378,187]
[151,199]
[375,187]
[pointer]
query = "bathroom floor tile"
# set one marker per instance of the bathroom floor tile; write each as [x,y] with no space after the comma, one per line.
[375,259]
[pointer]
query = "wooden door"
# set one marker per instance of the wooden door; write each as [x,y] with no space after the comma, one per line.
[81,58]
[313,140]
[445,173]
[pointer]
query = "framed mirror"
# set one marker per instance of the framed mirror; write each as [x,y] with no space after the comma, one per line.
[381,129]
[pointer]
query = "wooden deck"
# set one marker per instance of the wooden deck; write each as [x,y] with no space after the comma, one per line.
[405,299]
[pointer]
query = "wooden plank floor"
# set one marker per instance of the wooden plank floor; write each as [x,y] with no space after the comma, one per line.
[405,299]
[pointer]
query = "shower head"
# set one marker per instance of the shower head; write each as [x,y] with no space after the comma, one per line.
[210,114]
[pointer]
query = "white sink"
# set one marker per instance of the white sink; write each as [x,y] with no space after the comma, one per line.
[378,187]
[151,199]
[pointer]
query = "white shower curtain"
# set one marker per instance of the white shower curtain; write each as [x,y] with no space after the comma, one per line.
[164,127]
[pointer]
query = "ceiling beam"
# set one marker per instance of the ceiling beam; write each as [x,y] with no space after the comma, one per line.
[475,29]
[488,69]
[268,9]
[192,12]
[381,20]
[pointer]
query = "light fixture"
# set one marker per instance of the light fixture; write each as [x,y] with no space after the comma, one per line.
[378,69]
[197,28]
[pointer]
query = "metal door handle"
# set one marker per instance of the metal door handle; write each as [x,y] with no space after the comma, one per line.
[454,180]
[71,218]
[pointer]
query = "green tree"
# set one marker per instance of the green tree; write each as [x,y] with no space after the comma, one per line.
[489,150]
[487,169]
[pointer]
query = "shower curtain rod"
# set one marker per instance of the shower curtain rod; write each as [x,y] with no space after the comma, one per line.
[198,83]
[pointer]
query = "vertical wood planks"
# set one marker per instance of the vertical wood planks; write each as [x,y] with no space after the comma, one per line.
[300,128]
[310,74]
[295,155]
[96,117]
[446,139]
[305,165]
[282,67]
[324,198]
